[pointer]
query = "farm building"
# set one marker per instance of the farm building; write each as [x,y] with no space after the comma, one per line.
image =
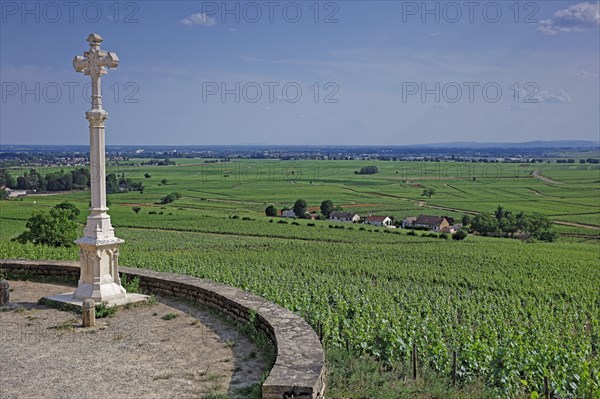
[312,215]
[379,221]
[288,213]
[452,229]
[349,217]
[433,223]
[15,193]
[408,222]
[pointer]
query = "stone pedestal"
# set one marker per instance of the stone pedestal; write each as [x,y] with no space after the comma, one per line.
[99,278]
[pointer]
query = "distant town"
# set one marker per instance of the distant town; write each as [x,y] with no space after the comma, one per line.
[533,152]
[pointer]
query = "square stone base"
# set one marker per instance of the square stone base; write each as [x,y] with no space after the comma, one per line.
[68,300]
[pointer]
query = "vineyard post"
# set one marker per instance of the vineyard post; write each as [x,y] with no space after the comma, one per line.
[546,390]
[414,360]
[453,367]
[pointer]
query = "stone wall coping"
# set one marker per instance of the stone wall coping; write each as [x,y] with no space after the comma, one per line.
[299,368]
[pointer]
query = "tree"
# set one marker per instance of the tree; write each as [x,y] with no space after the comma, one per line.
[271,211]
[147,175]
[112,184]
[499,212]
[69,207]
[508,224]
[300,207]
[428,192]
[6,179]
[485,224]
[368,170]
[56,228]
[533,225]
[327,207]
[466,220]
[81,178]
[136,209]
[164,182]
[3,194]
[167,199]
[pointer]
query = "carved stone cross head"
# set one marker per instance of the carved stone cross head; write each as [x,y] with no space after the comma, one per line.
[95,61]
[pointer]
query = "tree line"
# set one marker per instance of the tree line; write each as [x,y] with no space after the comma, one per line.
[504,223]
[78,179]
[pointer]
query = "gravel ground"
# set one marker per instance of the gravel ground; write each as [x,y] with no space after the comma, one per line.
[136,353]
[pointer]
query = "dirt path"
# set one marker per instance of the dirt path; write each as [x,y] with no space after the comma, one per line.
[536,192]
[444,208]
[137,353]
[573,224]
[538,175]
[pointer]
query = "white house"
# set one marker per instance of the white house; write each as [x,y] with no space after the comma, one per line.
[383,221]
[15,193]
[349,217]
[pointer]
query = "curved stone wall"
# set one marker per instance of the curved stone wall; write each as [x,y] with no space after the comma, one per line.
[299,369]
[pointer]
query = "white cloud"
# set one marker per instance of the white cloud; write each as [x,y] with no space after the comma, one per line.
[576,18]
[587,74]
[200,19]
[545,96]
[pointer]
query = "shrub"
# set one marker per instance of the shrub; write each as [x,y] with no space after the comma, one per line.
[461,234]
[103,310]
[169,316]
[549,236]
[152,213]
[295,224]
[136,209]
[411,233]
[271,211]
[444,236]
[70,208]
[283,222]
[56,228]
[246,218]
[131,286]
[310,224]
[167,199]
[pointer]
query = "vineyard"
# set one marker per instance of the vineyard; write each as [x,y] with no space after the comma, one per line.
[513,313]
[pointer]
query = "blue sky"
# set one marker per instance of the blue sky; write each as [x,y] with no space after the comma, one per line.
[345,72]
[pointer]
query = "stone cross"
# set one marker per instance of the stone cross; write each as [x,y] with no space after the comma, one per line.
[99,248]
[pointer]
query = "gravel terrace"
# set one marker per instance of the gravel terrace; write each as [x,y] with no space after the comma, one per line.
[163,350]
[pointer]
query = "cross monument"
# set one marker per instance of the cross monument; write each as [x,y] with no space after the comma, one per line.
[98,248]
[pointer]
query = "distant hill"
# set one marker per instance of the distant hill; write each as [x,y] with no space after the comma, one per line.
[527,144]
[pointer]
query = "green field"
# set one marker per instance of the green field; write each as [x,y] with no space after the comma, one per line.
[514,312]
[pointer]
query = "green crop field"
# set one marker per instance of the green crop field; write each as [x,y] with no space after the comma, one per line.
[514,312]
